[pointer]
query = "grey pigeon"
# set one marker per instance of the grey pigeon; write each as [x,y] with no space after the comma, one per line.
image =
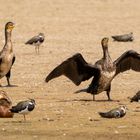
[124,38]
[36,41]
[135,98]
[24,107]
[114,113]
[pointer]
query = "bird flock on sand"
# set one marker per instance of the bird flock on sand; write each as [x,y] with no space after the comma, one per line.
[76,69]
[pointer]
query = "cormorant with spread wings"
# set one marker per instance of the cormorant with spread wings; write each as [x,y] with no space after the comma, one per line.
[103,71]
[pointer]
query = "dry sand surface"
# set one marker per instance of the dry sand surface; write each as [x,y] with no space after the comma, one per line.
[70,26]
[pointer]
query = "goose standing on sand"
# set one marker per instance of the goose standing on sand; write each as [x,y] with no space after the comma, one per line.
[124,38]
[103,71]
[114,113]
[24,107]
[36,41]
[7,56]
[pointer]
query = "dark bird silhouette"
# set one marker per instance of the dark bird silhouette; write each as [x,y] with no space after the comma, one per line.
[24,107]
[114,113]
[103,71]
[135,98]
[36,41]
[124,38]
[7,56]
[5,105]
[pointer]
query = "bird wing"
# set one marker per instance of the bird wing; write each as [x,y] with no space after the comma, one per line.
[75,68]
[116,114]
[32,40]
[110,114]
[128,60]
[19,107]
[135,97]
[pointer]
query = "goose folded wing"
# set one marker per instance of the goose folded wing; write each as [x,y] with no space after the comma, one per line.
[128,60]
[75,68]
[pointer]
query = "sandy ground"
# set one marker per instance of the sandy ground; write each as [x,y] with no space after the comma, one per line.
[69,26]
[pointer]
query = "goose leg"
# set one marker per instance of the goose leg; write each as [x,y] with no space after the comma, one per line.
[108,93]
[8,77]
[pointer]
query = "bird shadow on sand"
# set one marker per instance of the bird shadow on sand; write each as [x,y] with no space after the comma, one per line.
[18,122]
[8,86]
[87,100]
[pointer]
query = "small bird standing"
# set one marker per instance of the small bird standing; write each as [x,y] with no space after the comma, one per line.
[114,113]
[24,107]
[7,56]
[36,41]
[136,97]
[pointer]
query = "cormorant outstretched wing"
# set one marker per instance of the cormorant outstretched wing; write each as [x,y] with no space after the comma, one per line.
[128,60]
[75,68]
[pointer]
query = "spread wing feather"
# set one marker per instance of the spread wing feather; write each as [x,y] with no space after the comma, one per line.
[75,68]
[128,60]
